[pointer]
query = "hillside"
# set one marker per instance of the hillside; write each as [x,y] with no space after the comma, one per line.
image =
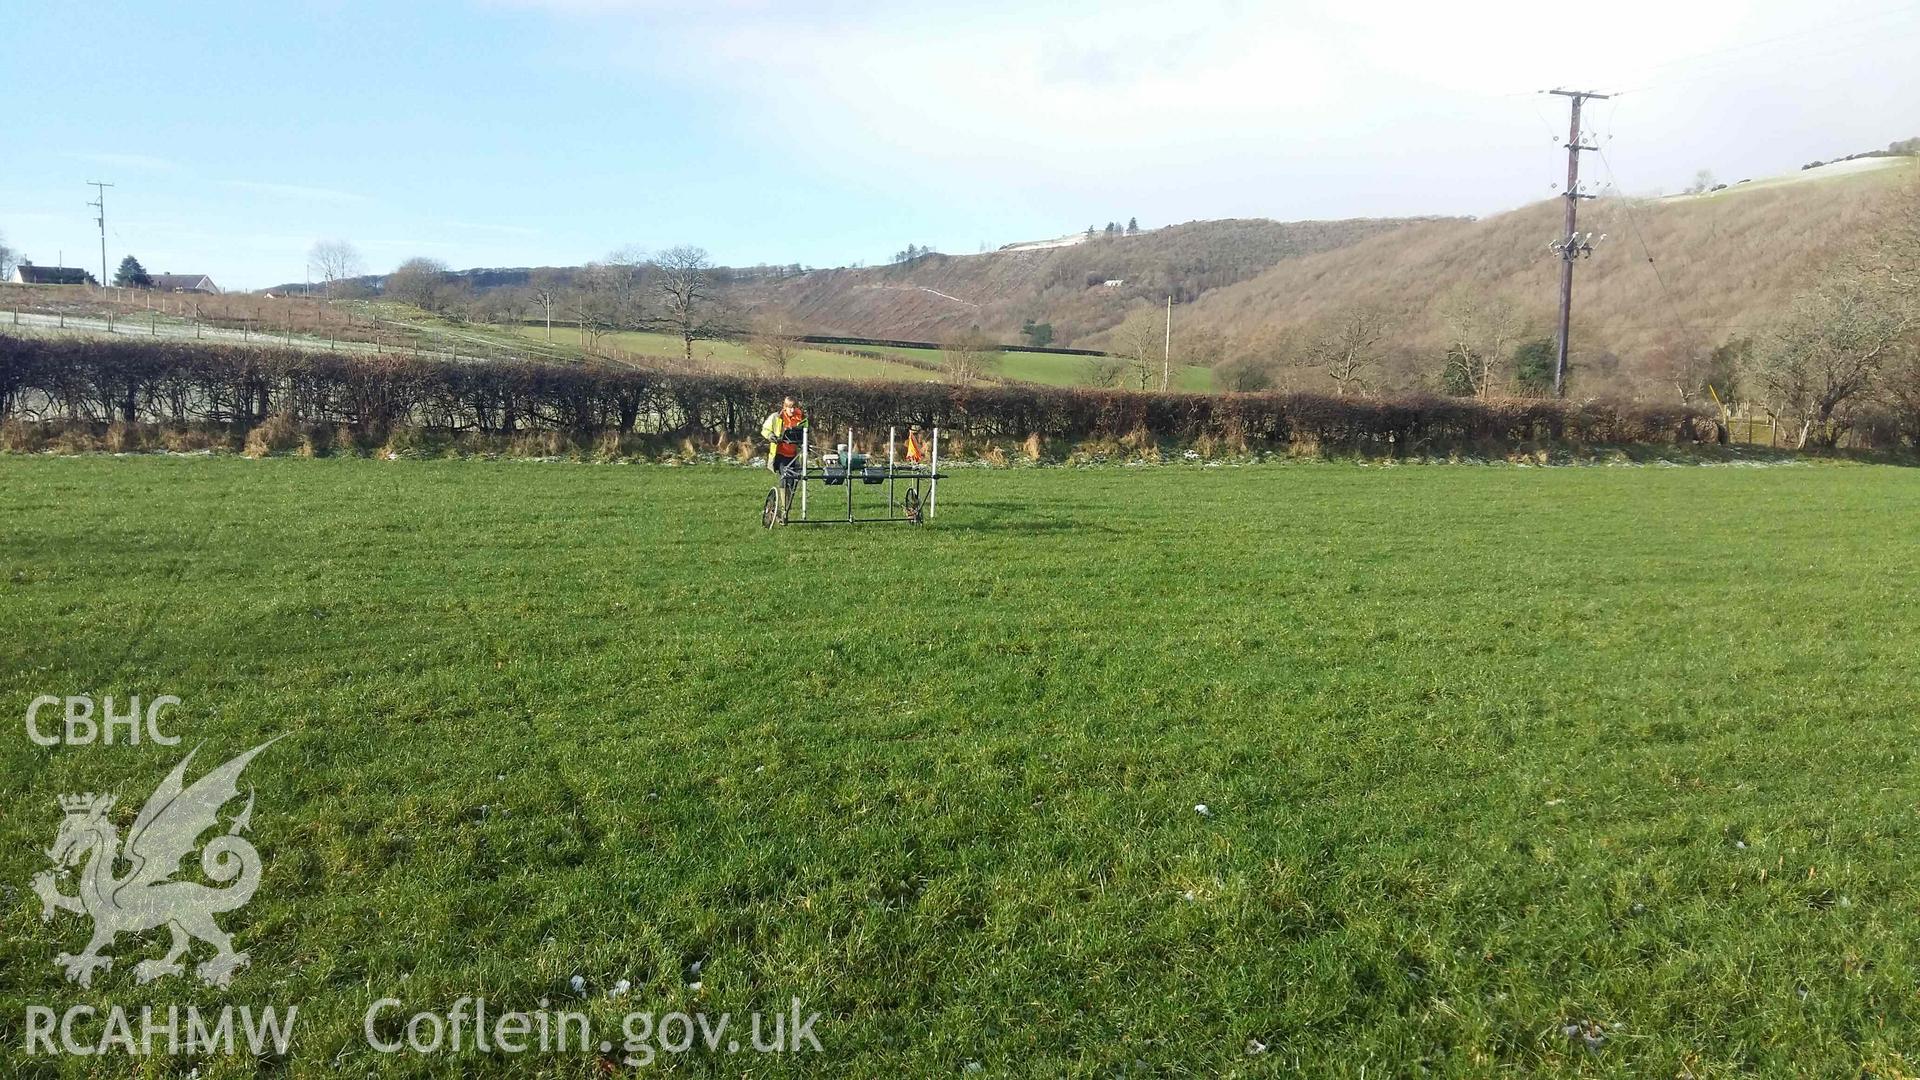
[1729,261]
[1064,284]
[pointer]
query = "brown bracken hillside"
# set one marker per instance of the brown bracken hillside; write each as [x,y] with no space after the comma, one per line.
[1726,263]
[937,296]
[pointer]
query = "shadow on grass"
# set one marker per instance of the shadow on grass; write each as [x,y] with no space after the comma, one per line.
[1036,527]
[1719,455]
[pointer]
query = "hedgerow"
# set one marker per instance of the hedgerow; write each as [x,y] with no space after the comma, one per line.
[84,381]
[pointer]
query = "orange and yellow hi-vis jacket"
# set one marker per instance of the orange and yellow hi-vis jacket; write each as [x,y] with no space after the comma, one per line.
[776,426]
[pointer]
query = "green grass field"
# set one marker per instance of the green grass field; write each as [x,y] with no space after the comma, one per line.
[1045,368]
[816,363]
[1053,369]
[1487,751]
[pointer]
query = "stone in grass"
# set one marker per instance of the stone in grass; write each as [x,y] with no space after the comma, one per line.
[1202,810]
[1588,1033]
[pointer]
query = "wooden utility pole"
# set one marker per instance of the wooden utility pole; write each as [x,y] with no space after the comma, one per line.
[1571,246]
[545,299]
[100,204]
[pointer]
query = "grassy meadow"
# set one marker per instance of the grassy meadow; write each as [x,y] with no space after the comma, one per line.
[1486,753]
[817,363]
[1048,369]
[1054,369]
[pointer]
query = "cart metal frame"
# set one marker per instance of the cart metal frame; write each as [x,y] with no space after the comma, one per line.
[850,479]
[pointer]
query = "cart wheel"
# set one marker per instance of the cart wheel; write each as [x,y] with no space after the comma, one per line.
[770,514]
[912,505]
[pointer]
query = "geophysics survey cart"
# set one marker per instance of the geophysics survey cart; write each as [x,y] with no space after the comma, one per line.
[844,467]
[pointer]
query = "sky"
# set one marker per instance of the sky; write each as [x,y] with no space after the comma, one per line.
[552,132]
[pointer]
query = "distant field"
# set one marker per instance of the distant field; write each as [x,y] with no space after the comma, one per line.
[1053,369]
[1889,168]
[1048,369]
[1485,752]
[403,328]
[811,362]
[1056,370]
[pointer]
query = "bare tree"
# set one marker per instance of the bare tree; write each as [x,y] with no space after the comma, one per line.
[544,294]
[598,302]
[1684,361]
[772,342]
[1267,359]
[1348,347]
[7,258]
[1198,346]
[336,260]
[608,297]
[969,356]
[1481,333]
[1855,329]
[1140,340]
[689,299]
[1105,371]
[422,282]
[1822,360]
[1900,389]
[507,304]
[1892,267]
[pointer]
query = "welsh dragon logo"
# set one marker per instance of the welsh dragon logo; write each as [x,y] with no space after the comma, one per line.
[165,832]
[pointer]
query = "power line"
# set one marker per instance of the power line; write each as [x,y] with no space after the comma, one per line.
[1633,226]
[1796,37]
[1839,47]
[1849,41]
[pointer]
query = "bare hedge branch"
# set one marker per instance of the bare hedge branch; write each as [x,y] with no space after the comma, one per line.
[193,383]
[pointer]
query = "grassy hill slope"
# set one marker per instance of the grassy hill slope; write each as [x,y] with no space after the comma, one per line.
[937,295]
[1723,264]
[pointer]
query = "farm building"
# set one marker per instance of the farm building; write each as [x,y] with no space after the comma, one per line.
[199,283]
[28,274]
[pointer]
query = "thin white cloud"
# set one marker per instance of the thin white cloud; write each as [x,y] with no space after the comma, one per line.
[299,192]
[1219,106]
[142,162]
[489,227]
